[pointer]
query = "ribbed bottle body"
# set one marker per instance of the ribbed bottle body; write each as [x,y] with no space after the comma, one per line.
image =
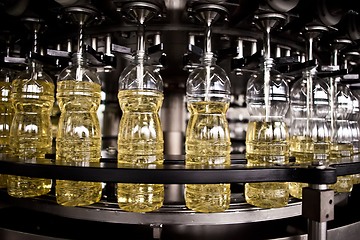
[267,135]
[207,143]
[6,117]
[140,144]
[30,132]
[309,133]
[79,139]
[267,144]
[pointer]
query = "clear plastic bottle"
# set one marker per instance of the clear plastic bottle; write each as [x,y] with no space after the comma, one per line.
[78,139]
[207,133]
[267,137]
[140,138]
[6,116]
[341,146]
[355,129]
[353,121]
[309,134]
[32,94]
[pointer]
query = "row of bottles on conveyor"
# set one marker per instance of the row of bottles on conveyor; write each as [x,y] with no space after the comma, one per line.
[27,126]
[29,134]
[140,140]
[321,111]
[78,140]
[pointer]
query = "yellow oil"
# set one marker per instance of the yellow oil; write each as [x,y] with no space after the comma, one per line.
[337,152]
[356,177]
[267,144]
[78,139]
[140,143]
[30,132]
[6,116]
[306,150]
[208,143]
[340,151]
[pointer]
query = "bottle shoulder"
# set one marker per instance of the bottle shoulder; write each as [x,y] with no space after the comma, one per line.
[141,76]
[79,73]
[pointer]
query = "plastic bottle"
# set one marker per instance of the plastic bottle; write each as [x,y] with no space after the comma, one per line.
[267,137]
[140,138]
[309,134]
[341,146]
[30,133]
[207,133]
[79,136]
[6,116]
[355,129]
[353,122]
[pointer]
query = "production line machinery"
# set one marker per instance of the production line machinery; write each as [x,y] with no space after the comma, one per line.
[174,39]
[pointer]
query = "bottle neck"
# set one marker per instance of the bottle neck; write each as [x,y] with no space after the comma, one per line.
[208,59]
[140,57]
[78,59]
[5,75]
[267,64]
[35,66]
[310,73]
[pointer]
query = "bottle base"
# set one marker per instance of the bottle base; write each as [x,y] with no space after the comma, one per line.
[24,187]
[295,189]
[267,194]
[356,178]
[139,197]
[77,193]
[343,184]
[207,198]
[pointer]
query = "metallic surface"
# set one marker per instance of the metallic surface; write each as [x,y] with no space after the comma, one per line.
[317,226]
[175,21]
[168,214]
[109,212]
[348,232]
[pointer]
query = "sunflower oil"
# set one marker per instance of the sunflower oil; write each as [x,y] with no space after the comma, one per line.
[267,144]
[338,151]
[30,132]
[306,150]
[140,144]
[79,139]
[208,143]
[6,116]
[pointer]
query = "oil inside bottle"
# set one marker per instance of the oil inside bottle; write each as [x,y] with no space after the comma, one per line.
[267,144]
[140,144]
[6,117]
[305,150]
[341,151]
[79,139]
[30,132]
[208,143]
